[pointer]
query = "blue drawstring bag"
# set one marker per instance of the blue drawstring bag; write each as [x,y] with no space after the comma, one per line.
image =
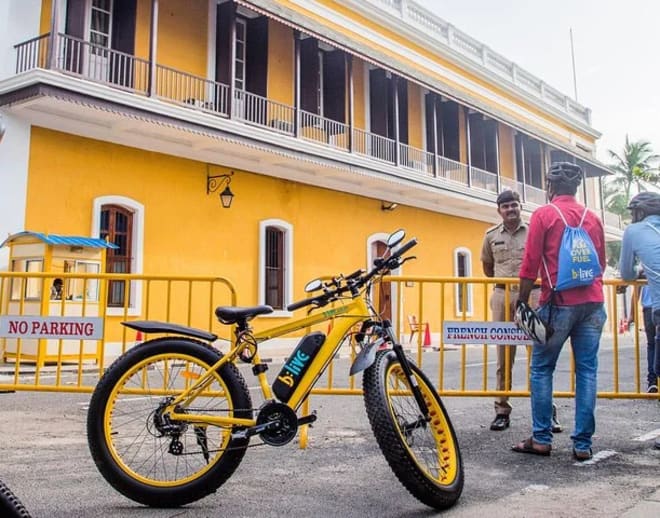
[577,264]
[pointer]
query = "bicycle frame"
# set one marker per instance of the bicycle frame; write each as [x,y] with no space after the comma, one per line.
[344,316]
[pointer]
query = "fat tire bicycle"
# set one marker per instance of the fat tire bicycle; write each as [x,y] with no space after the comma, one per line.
[10,505]
[171,419]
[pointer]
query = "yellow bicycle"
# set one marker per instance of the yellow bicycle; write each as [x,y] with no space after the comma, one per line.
[170,420]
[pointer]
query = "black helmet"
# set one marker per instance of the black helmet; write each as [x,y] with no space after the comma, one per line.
[564,173]
[648,202]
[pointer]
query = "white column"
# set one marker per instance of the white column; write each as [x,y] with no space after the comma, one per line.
[19,21]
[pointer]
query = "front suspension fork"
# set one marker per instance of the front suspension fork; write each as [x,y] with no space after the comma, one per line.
[405,366]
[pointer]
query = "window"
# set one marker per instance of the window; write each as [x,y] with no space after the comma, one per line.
[117,228]
[463,293]
[275,265]
[239,54]
[121,221]
[483,143]
[529,160]
[447,126]
[28,288]
[82,289]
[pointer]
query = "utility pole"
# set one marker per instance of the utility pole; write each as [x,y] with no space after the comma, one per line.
[570,32]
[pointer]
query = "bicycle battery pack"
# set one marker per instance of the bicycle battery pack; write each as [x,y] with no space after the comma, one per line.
[296,365]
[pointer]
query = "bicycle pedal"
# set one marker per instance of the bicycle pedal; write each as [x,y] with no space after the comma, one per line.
[307,419]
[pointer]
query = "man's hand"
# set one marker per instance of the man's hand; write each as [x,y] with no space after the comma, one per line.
[621,289]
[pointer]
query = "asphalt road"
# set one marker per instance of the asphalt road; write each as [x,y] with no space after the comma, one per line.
[45,461]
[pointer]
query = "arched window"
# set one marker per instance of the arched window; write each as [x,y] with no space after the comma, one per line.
[120,220]
[276,265]
[463,268]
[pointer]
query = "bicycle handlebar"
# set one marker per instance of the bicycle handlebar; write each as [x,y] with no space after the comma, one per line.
[357,279]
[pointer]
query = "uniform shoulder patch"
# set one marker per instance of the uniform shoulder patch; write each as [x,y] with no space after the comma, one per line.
[492,229]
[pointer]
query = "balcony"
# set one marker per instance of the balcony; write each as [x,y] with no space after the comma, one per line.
[413,176]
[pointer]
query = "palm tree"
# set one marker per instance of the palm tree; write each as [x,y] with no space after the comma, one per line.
[636,165]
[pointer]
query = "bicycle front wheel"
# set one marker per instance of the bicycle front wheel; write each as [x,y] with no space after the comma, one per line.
[141,452]
[423,454]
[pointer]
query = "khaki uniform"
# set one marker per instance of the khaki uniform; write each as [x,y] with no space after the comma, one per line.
[504,250]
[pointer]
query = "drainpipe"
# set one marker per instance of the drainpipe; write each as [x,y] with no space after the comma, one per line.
[232,59]
[466,111]
[397,151]
[351,100]
[435,135]
[296,83]
[153,46]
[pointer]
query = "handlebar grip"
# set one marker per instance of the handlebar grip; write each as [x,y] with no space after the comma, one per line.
[301,303]
[406,247]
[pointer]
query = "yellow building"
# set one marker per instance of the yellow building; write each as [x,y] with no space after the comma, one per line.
[331,122]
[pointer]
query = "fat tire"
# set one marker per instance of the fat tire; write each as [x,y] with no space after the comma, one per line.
[173,495]
[391,442]
[10,505]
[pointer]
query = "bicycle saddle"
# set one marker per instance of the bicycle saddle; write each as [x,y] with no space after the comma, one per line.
[233,314]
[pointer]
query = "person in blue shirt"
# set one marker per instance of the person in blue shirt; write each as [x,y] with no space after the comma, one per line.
[644,296]
[641,243]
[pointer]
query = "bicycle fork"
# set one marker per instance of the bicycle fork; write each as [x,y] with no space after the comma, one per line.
[405,366]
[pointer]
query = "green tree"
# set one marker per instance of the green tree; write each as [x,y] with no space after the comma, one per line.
[636,166]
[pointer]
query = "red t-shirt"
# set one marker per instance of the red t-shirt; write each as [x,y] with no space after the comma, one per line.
[543,240]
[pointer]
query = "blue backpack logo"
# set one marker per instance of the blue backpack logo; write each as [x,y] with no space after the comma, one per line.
[577,264]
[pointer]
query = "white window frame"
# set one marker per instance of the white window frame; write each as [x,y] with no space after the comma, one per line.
[287,230]
[468,273]
[395,300]
[137,247]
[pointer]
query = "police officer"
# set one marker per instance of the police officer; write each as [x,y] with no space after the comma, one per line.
[501,256]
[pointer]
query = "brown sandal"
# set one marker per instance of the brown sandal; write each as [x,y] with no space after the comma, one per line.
[529,446]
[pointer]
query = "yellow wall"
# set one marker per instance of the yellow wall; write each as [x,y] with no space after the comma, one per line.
[183,35]
[188,233]
[415,108]
[280,63]
[507,158]
[359,109]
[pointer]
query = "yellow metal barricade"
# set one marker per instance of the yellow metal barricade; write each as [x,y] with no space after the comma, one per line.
[62,342]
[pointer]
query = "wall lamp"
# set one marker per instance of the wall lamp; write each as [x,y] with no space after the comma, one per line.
[388,206]
[215,182]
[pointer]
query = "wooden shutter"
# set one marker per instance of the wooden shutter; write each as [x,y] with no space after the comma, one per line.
[256,56]
[378,101]
[402,87]
[274,295]
[223,42]
[309,75]
[334,86]
[74,26]
[123,40]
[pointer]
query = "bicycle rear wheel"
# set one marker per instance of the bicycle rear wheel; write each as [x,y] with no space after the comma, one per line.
[424,455]
[144,455]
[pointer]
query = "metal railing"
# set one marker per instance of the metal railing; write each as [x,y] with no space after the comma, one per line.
[372,145]
[260,111]
[416,159]
[452,170]
[535,195]
[191,91]
[483,179]
[323,130]
[75,365]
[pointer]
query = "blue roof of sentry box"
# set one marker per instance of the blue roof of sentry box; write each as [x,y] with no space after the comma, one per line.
[54,239]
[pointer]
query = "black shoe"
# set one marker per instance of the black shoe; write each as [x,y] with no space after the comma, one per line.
[556,425]
[501,422]
[653,389]
[657,443]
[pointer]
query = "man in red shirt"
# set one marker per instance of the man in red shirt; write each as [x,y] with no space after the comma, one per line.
[577,313]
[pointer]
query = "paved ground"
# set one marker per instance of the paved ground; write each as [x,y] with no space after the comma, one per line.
[343,474]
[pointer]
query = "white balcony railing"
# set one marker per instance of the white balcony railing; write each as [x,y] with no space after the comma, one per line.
[483,179]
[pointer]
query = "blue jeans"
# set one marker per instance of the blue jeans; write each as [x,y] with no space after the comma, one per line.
[583,324]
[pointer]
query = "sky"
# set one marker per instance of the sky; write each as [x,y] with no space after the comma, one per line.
[617,55]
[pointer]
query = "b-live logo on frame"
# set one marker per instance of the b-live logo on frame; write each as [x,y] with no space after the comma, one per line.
[293,368]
